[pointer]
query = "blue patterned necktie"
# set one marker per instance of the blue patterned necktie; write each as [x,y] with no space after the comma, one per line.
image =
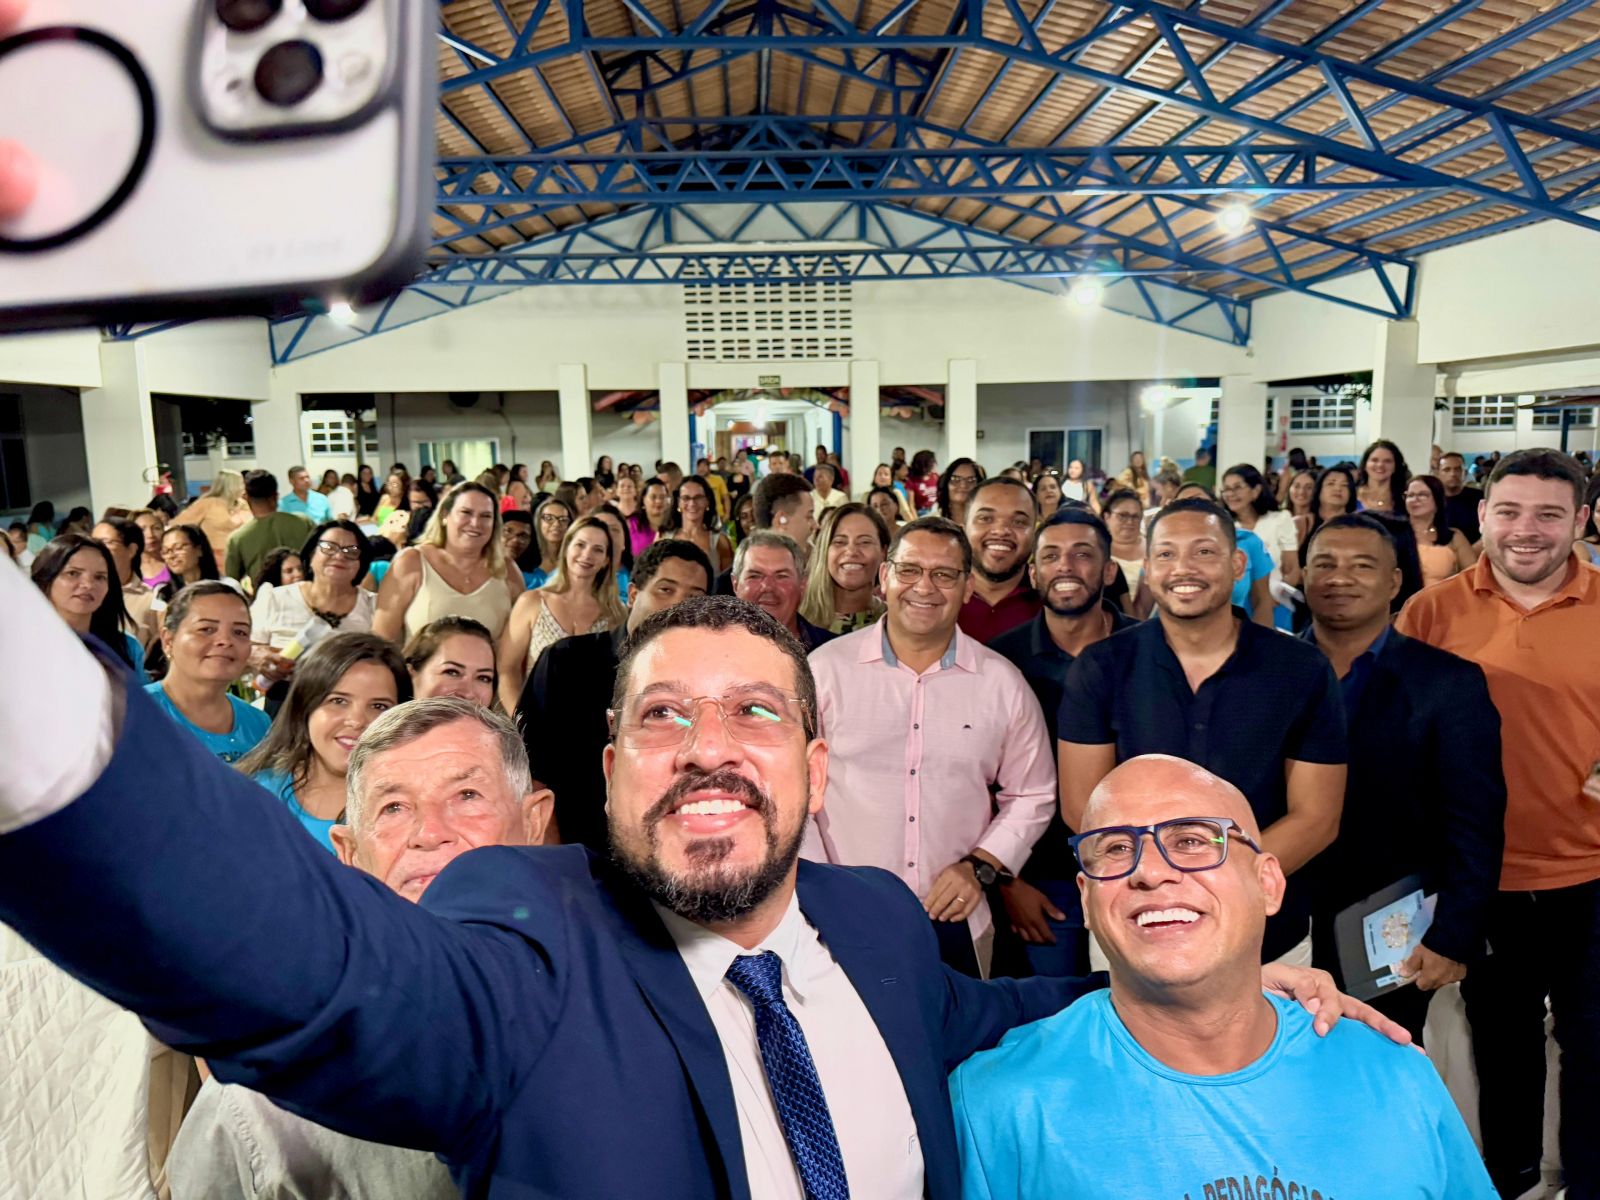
[802,1108]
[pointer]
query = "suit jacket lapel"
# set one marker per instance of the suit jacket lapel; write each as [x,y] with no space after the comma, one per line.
[664,980]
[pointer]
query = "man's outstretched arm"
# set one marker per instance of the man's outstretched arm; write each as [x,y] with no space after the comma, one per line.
[184,891]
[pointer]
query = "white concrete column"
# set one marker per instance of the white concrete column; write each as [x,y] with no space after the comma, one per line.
[572,382]
[275,427]
[119,432]
[862,428]
[1402,393]
[961,412]
[673,381]
[1241,424]
[1527,437]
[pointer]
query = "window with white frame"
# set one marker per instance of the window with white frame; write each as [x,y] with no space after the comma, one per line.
[333,434]
[1483,412]
[1322,412]
[1582,418]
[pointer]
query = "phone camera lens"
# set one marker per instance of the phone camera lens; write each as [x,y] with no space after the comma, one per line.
[334,10]
[247,16]
[288,73]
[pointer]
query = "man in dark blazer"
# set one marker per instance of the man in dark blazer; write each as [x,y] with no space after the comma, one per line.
[548,1037]
[562,712]
[1425,795]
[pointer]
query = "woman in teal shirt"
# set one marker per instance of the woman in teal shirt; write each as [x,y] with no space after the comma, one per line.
[341,685]
[205,634]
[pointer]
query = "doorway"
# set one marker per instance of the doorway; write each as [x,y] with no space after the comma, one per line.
[471,458]
[1057,447]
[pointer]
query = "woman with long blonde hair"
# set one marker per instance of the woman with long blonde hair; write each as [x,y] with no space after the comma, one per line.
[219,512]
[842,578]
[581,597]
[456,567]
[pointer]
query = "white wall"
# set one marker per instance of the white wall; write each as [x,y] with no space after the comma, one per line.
[70,359]
[226,359]
[1006,411]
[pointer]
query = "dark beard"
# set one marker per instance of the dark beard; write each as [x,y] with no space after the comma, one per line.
[708,896]
[999,576]
[1077,610]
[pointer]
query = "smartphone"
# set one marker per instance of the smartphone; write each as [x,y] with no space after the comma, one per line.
[216,157]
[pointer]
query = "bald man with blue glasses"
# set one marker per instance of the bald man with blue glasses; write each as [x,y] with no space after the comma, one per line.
[1185,1081]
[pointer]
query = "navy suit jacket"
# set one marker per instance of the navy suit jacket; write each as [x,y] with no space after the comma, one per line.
[531,1022]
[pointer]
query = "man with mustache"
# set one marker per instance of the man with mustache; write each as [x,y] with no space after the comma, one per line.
[1205,683]
[1072,568]
[1528,613]
[538,1019]
[999,525]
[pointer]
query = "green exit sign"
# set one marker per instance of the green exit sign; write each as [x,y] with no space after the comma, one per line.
[769,380]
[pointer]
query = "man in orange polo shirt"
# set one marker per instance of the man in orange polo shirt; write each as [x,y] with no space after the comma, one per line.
[1529,614]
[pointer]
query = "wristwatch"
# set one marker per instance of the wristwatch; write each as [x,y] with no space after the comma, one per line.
[988,874]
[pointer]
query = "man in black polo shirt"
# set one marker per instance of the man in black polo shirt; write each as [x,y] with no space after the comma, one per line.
[1203,682]
[562,712]
[1071,569]
[1460,500]
[1426,795]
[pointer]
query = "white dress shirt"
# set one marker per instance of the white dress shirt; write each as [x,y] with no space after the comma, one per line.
[866,1099]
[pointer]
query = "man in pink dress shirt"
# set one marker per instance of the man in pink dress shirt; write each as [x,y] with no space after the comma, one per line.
[940,770]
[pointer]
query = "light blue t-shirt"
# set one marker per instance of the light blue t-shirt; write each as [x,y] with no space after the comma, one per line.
[1072,1107]
[315,506]
[136,655]
[281,785]
[1260,566]
[250,725]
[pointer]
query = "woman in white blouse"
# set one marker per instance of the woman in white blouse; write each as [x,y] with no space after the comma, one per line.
[329,599]
[1255,508]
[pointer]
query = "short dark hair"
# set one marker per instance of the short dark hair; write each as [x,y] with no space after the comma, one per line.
[1076,515]
[127,530]
[1121,494]
[309,549]
[517,516]
[775,490]
[425,642]
[1362,521]
[1006,481]
[659,551]
[178,607]
[940,527]
[1542,463]
[271,569]
[1265,502]
[718,613]
[261,485]
[1453,454]
[1205,508]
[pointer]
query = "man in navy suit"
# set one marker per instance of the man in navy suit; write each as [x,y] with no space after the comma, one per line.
[700,1017]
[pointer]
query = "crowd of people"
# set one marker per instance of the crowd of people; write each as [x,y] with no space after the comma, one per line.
[1324,692]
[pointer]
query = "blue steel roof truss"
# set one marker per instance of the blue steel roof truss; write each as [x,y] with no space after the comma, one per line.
[1304,134]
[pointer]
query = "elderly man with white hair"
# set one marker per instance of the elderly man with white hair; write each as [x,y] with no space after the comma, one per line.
[1184,1079]
[428,781]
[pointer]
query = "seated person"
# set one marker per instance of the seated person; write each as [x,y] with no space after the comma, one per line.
[1184,1080]
[205,637]
[235,1143]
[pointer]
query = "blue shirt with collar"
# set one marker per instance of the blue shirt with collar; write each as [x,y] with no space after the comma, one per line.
[1354,683]
[314,506]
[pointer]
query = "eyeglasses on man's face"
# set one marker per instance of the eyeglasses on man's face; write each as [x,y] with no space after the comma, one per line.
[909,574]
[755,716]
[1188,844]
